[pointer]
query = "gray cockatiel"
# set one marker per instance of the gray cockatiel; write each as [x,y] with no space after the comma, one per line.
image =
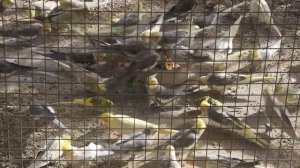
[220,117]
[4,4]
[184,140]
[278,114]
[41,109]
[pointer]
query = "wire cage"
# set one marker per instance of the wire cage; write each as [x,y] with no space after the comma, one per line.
[148,83]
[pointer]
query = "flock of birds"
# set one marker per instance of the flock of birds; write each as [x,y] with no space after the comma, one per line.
[168,43]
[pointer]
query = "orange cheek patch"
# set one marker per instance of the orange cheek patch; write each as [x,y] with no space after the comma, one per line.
[104,121]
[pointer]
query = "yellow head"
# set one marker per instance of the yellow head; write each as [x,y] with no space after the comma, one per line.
[203,80]
[66,146]
[219,66]
[170,148]
[7,3]
[115,20]
[256,54]
[203,103]
[152,82]
[101,88]
[105,118]
[267,90]
[32,13]
[281,88]
[99,101]
[148,35]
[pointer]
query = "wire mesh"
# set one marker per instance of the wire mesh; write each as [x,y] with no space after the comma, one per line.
[147,83]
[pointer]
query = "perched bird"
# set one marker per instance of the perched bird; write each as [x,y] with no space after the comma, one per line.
[261,13]
[219,81]
[137,141]
[160,94]
[81,156]
[4,4]
[210,19]
[184,140]
[278,114]
[264,24]
[52,151]
[127,125]
[219,117]
[91,81]
[41,109]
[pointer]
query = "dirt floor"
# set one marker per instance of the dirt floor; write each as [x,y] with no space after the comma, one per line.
[21,136]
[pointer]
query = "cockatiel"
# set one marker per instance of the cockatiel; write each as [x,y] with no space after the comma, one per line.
[278,114]
[127,125]
[220,117]
[42,109]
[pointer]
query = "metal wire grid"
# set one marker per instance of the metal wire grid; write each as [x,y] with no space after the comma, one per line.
[22,137]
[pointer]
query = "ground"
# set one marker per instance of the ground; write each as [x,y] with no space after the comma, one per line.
[21,136]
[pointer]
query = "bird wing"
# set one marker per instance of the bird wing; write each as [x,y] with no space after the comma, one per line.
[127,138]
[224,79]
[219,116]
[184,139]
[180,8]
[129,20]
